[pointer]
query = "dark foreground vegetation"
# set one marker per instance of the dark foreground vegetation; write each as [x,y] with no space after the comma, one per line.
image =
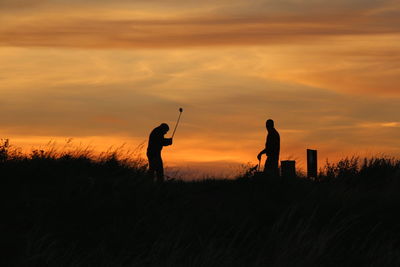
[69,209]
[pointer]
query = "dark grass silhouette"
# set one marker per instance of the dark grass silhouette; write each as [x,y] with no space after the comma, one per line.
[69,209]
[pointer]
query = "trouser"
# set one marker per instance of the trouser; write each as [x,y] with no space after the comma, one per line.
[271,165]
[156,167]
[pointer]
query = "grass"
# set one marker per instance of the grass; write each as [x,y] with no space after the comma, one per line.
[74,209]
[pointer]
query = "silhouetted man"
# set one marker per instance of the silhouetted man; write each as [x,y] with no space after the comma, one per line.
[272,148]
[156,143]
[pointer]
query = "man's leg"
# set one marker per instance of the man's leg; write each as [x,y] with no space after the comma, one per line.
[152,168]
[159,170]
[271,166]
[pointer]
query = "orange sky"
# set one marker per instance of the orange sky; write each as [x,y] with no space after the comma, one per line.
[106,72]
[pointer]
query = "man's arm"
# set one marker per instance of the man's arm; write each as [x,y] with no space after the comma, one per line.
[167,141]
[264,151]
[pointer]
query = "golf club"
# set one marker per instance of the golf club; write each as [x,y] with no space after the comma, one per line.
[176,125]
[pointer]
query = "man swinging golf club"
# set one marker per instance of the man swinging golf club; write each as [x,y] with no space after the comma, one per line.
[155,145]
[272,148]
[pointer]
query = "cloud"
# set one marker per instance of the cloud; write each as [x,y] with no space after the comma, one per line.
[237,26]
[351,65]
[20,4]
[225,5]
[392,124]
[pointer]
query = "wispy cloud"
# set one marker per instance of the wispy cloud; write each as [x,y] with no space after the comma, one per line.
[82,33]
[393,124]
[240,24]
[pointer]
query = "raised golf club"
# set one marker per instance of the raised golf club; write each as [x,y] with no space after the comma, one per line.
[177,122]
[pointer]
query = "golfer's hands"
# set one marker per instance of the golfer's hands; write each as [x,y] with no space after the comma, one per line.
[259,156]
[168,141]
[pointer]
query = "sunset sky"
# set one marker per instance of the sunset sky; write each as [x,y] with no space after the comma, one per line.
[107,72]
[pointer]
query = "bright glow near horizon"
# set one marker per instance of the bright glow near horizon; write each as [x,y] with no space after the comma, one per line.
[107,72]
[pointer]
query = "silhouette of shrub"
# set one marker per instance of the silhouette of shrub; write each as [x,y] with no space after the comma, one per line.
[72,208]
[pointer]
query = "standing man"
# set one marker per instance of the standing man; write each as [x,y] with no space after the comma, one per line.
[156,143]
[272,148]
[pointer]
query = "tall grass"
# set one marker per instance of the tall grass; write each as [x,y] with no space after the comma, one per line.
[77,209]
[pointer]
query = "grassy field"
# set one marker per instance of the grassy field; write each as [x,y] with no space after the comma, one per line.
[72,209]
